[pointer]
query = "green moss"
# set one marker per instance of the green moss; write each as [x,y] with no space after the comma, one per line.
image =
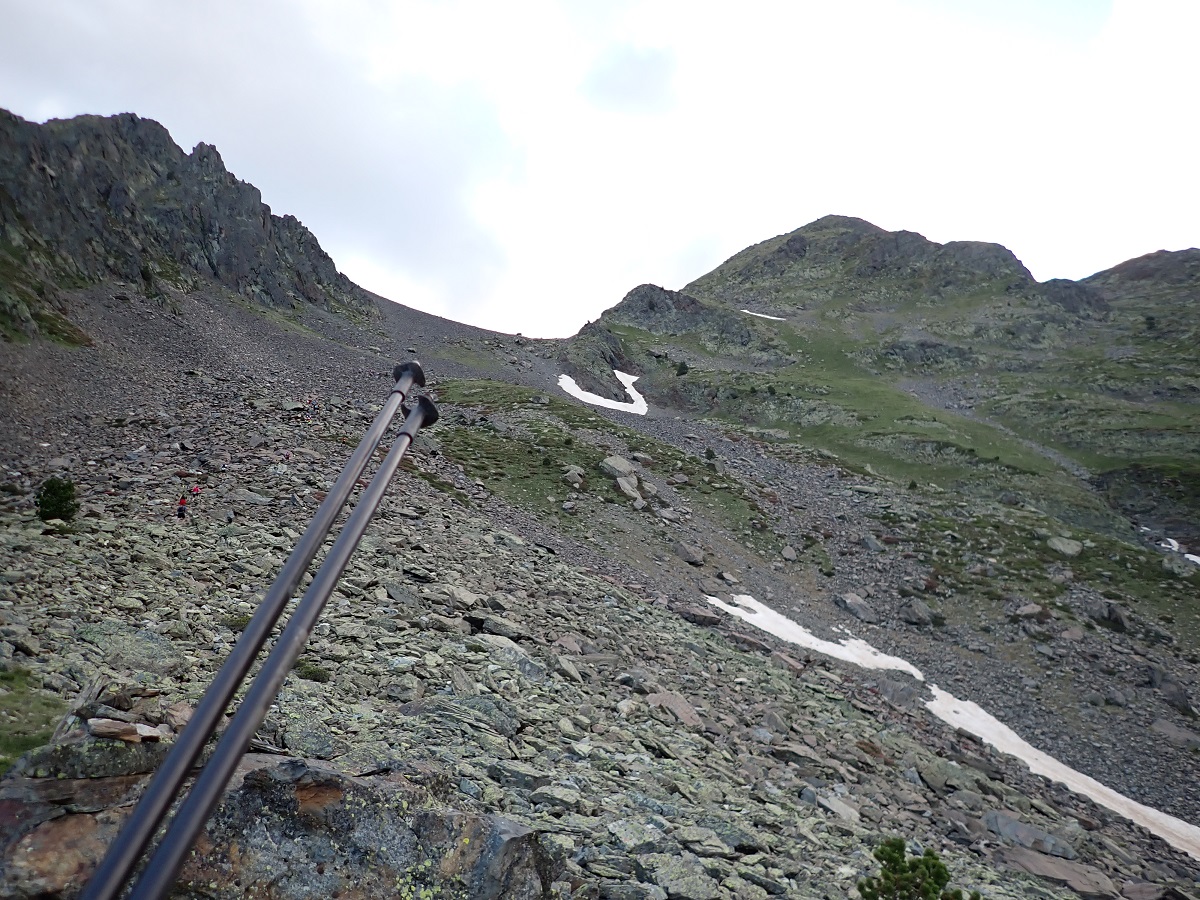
[236,622]
[28,715]
[60,329]
[310,671]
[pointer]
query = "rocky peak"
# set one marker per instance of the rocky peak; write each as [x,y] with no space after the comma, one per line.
[115,196]
[652,307]
[836,255]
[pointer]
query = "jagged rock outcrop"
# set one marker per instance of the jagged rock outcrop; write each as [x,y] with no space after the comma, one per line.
[592,356]
[93,197]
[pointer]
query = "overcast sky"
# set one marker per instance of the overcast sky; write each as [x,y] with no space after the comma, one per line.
[522,165]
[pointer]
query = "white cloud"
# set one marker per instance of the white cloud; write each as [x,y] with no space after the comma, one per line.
[521,166]
[631,79]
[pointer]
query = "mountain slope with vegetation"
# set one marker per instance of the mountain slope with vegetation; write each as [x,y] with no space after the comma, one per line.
[520,688]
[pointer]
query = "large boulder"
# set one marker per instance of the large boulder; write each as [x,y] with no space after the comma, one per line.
[287,828]
[616,467]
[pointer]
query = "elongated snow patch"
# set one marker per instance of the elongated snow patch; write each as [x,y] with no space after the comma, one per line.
[765,316]
[637,405]
[972,718]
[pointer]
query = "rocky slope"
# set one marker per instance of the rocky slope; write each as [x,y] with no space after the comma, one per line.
[519,689]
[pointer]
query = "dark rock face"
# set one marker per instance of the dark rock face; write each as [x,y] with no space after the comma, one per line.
[1073,296]
[661,311]
[290,829]
[930,353]
[592,356]
[117,197]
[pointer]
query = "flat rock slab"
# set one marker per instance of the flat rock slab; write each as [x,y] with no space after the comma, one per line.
[1085,880]
[1026,835]
[633,836]
[678,705]
[1180,737]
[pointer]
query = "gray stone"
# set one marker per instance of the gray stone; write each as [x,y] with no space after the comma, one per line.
[1065,546]
[689,553]
[839,808]
[1180,737]
[311,741]
[681,876]
[514,773]
[633,836]
[678,705]
[556,795]
[616,467]
[857,607]
[1085,880]
[628,487]
[915,612]
[1026,835]
[135,650]
[1178,566]
[245,495]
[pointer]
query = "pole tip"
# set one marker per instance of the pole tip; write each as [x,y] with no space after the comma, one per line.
[410,368]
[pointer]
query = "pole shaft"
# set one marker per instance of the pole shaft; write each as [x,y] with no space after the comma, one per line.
[164,865]
[124,853]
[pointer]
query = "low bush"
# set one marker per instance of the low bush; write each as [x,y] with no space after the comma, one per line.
[56,499]
[312,672]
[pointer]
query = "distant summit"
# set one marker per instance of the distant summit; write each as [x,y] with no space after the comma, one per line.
[840,254]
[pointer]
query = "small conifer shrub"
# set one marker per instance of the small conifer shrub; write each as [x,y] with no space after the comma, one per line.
[902,878]
[56,499]
[682,368]
[312,672]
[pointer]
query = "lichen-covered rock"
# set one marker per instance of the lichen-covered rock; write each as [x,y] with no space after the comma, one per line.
[287,829]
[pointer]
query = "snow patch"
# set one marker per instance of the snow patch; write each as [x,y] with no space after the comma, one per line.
[637,405]
[972,718]
[851,650]
[765,316]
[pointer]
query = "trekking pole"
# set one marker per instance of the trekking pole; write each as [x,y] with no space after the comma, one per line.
[160,874]
[123,855]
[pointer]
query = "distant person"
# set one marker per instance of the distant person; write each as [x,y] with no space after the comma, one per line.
[181,508]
